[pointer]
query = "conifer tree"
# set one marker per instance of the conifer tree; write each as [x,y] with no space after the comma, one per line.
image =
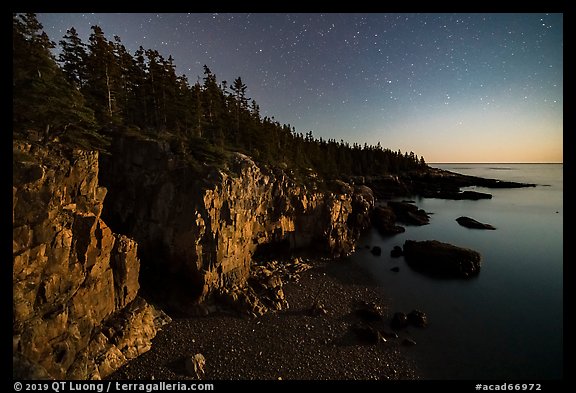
[73,58]
[43,100]
[103,77]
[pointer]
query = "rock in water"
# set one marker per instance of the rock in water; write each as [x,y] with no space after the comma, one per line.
[195,365]
[442,259]
[472,223]
[377,251]
[396,252]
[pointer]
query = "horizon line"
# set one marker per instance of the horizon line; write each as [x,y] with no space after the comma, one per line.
[490,162]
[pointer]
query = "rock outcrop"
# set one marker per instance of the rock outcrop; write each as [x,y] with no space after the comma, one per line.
[409,213]
[441,259]
[76,313]
[204,225]
[438,183]
[472,223]
[432,183]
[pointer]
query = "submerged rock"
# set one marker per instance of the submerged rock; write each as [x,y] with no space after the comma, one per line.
[442,259]
[472,223]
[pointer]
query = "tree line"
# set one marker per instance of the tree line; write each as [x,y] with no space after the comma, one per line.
[98,86]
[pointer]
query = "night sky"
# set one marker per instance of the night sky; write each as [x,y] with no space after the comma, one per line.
[450,87]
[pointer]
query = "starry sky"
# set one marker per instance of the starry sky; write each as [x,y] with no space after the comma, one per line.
[450,87]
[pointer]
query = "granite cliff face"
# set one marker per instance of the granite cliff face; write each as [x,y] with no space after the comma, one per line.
[205,229]
[76,313]
[76,303]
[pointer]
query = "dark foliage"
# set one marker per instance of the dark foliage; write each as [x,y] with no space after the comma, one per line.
[100,85]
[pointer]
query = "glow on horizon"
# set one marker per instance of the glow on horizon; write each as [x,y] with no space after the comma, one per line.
[450,87]
[512,134]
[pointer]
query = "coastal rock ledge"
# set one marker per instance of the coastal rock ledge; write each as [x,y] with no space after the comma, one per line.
[442,259]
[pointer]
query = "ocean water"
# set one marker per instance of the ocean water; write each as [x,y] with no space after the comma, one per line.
[507,323]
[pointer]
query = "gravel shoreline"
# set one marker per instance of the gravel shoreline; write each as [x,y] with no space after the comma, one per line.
[288,344]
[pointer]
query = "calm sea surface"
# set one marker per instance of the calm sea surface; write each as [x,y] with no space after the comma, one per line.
[508,322]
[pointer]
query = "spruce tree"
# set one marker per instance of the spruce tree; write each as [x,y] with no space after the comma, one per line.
[43,100]
[73,58]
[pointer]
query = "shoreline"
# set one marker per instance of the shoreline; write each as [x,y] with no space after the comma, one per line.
[287,344]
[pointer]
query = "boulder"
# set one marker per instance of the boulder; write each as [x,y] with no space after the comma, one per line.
[472,223]
[377,251]
[367,334]
[369,312]
[396,252]
[442,259]
[194,365]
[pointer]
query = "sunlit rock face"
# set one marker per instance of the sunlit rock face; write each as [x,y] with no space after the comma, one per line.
[76,313]
[204,226]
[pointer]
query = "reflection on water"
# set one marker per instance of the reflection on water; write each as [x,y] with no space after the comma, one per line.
[506,323]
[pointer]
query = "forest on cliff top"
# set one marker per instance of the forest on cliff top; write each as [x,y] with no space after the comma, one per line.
[95,91]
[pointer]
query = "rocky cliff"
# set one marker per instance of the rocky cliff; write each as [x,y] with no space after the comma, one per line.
[76,283]
[76,313]
[203,227]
